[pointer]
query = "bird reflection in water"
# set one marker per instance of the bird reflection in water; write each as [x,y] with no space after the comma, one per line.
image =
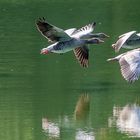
[127,119]
[83,135]
[50,128]
[81,113]
[82,107]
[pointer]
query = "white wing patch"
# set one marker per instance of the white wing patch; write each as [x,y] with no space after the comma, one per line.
[83,31]
[70,31]
[138,34]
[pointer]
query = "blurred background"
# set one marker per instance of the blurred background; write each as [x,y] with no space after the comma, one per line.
[50,97]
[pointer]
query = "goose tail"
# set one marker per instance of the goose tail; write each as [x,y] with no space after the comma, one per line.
[112,59]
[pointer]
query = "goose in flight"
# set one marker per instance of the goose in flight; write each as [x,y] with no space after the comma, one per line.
[71,39]
[130,40]
[129,64]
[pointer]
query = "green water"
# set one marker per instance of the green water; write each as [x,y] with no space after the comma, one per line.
[55,87]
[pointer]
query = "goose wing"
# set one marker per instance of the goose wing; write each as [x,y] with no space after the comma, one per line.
[138,34]
[122,39]
[133,39]
[84,31]
[51,32]
[82,55]
[126,34]
[130,65]
[70,31]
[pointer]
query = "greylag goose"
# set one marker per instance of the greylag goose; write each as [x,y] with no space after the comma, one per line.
[130,40]
[71,39]
[129,64]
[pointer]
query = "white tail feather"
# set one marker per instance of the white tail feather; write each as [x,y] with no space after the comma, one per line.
[112,59]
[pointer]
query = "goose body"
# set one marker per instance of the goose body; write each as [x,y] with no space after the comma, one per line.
[129,64]
[66,46]
[68,40]
[130,40]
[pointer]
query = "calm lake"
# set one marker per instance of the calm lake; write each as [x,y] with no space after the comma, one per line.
[50,97]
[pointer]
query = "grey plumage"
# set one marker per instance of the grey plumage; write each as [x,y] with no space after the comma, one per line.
[70,39]
[130,40]
[129,64]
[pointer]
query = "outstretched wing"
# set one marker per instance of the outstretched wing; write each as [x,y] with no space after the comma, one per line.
[51,32]
[130,66]
[127,33]
[70,31]
[82,55]
[134,40]
[84,31]
[122,40]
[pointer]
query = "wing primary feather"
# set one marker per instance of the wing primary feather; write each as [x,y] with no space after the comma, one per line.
[81,54]
[51,32]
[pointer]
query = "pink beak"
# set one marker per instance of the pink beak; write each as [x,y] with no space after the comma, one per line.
[44,51]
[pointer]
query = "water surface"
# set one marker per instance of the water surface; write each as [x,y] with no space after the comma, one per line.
[72,103]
